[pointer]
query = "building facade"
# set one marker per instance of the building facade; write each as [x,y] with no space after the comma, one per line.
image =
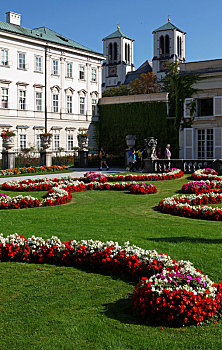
[46,81]
[119,53]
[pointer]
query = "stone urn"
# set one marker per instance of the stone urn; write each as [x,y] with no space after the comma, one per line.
[82,142]
[130,140]
[46,140]
[8,142]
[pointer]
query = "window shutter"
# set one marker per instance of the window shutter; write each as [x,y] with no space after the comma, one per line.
[187,107]
[217,106]
[218,143]
[188,143]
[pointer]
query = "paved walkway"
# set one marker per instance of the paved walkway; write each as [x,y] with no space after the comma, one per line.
[75,173]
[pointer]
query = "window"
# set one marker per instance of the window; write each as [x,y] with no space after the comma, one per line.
[205,144]
[126,53]
[37,141]
[55,67]
[93,107]
[38,63]
[69,104]
[55,103]
[161,45]
[93,74]
[21,60]
[38,101]
[167,44]
[82,105]
[69,70]
[70,142]
[82,73]
[110,52]
[205,107]
[56,142]
[22,142]
[115,51]
[178,46]
[22,99]
[4,99]
[4,57]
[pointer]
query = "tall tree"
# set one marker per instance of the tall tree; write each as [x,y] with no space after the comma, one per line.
[146,84]
[179,87]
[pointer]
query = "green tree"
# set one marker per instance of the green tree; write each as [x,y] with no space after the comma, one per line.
[179,87]
[121,90]
[146,84]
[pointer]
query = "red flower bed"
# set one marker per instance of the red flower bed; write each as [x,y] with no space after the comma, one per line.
[142,188]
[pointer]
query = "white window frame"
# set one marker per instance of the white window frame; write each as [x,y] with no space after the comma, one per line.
[22,60]
[69,70]
[81,72]
[38,64]
[38,101]
[55,103]
[56,142]
[69,104]
[22,100]
[70,142]
[82,105]
[94,75]
[217,99]
[37,142]
[22,142]
[4,57]
[205,148]
[55,67]
[4,98]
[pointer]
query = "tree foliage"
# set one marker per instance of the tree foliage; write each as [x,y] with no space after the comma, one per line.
[179,87]
[121,90]
[146,84]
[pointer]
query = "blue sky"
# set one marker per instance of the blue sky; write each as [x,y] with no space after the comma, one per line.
[88,21]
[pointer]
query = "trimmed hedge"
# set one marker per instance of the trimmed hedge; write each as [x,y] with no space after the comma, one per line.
[142,119]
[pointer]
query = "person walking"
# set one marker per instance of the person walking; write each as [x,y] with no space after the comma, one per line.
[167,152]
[102,157]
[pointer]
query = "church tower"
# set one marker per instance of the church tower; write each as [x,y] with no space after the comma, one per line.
[169,45]
[118,50]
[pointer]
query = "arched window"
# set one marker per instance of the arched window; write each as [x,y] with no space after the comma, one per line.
[178,46]
[167,44]
[161,45]
[110,52]
[128,53]
[115,51]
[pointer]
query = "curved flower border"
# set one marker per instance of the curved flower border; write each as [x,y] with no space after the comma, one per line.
[173,293]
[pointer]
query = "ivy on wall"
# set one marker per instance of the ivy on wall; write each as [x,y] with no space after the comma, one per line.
[142,119]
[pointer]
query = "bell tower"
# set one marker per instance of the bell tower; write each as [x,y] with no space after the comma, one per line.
[118,50]
[169,45]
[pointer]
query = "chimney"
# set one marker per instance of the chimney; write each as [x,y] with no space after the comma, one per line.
[13,18]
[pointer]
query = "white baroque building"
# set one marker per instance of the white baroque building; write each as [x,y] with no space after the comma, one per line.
[46,80]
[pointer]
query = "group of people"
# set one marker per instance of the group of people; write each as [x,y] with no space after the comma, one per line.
[136,158]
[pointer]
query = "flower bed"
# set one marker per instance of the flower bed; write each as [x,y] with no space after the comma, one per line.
[190,206]
[41,169]
[142,188]
[172,293]
[199,187]
[173,174]
[206,174]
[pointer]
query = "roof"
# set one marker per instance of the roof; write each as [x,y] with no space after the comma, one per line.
[168,26]
[45,34]
[117,34]
[146,67]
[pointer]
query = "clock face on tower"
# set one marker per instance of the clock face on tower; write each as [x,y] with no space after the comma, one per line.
[163,66]
[112,71]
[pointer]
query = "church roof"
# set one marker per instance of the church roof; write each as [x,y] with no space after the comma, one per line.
[43,33]
[117,34]
[168,26]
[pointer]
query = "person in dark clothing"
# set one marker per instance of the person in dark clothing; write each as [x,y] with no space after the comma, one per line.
[102,157]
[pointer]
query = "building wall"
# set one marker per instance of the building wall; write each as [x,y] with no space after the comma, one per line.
[31,122]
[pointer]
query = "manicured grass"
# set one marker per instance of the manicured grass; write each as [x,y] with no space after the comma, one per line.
[66,308]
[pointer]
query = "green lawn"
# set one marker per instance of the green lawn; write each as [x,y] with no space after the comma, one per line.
[66,308]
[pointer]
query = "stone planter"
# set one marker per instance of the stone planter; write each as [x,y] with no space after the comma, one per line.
[82,142]
[46,141]
[8,142]
[130,140]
